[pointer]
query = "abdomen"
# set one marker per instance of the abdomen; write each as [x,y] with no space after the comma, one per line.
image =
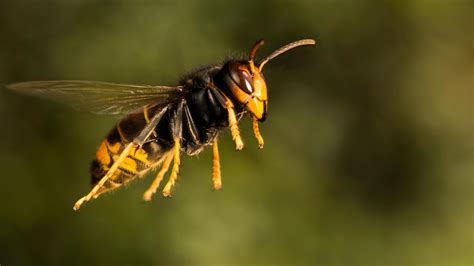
[138,162]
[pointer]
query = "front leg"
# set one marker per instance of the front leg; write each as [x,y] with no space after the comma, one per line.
[234,129]
[232,118]
[256,132]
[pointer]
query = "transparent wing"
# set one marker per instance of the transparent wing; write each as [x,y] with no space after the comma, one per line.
[97,97]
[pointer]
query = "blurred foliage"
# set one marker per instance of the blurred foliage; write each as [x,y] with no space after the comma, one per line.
[369,140]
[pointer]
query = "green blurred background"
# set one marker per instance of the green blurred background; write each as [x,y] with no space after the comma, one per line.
[369,139]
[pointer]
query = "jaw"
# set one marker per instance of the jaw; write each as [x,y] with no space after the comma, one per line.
[257,108]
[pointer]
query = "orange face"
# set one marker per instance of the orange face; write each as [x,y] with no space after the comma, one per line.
[249,88]
[244,80]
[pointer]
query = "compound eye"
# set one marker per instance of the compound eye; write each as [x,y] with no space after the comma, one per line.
[241,76]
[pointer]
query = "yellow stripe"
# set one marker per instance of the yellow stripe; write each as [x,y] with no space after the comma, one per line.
[127,164]
[145,114]
[140,155]
[122,136]
[102,154]
[114,148]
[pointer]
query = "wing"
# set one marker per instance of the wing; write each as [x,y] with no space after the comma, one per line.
[97,97]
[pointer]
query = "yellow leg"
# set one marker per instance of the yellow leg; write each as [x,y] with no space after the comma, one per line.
[234,129]
[256,132]
[92,193]
[174,172]
[156,183]
[216,167]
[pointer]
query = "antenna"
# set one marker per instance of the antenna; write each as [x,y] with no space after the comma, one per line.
[278,51]
[252,53]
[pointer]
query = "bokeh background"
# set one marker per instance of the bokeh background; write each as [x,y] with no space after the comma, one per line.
[369,139]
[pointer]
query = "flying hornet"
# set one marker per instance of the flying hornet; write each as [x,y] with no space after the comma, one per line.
[162,121]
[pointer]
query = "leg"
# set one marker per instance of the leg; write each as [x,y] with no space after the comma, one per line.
[256,132]
[174,172]
[137,142]
[188,123]
[216,167]
[227,103]
[234,129]
[104,179]
[156,183]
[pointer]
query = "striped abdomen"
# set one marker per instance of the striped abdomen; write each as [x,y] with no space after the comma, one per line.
[137,163]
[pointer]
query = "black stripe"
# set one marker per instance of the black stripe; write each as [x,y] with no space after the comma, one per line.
[127,171]
[113,136]
[139,162]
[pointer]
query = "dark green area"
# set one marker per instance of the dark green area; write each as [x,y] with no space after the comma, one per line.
[369,139]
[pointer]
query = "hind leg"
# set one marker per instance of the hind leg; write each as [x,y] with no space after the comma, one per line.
[174,172]
[156,182]
[100,184]
[216,167]
[136,143]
